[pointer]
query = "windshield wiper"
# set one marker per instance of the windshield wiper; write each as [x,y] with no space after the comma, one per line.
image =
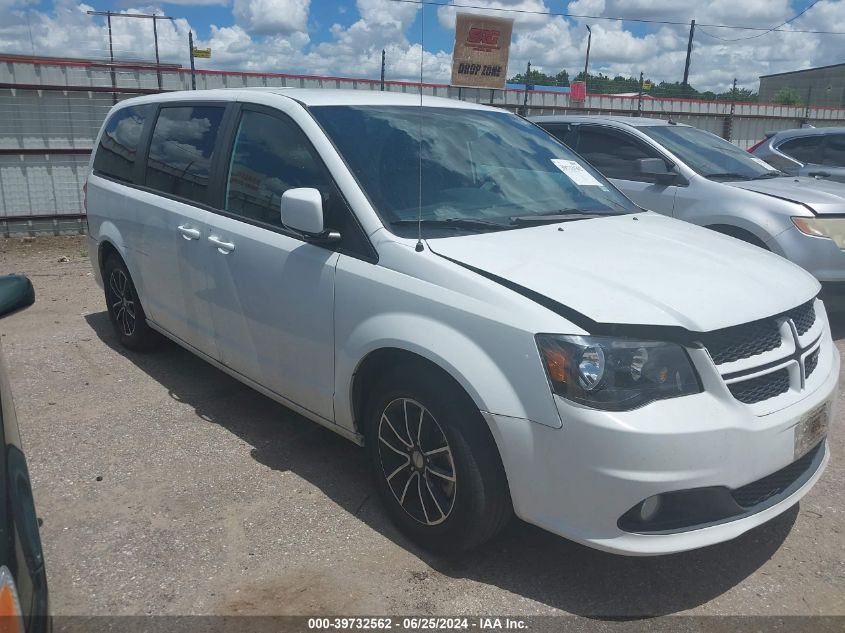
[728,175]
[769,174]
[452,223]
[564,215]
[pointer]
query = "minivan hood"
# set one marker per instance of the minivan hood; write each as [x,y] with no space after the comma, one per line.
[641,269]
[824,197]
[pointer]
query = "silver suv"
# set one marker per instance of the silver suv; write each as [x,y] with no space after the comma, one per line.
[814,152]
[693,175]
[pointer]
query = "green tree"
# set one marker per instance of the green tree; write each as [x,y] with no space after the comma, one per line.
[740,94]
[562,78]
[787,96]
[539,78]
[603,84]
[674,89]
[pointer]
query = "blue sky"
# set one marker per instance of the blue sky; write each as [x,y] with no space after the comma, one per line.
[345,37]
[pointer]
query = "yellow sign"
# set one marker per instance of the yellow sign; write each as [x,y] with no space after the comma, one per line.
[480,58]
[205,53]
[646,85]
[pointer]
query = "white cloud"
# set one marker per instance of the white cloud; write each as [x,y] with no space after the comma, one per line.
[198,3]
[523,12]
[273,35]
[272,16]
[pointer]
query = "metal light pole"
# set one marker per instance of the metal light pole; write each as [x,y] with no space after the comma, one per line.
[587,61]
[382,70]
[640,98]
[191,53]
[527,83]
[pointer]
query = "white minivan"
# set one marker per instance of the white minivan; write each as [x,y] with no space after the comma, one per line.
[450,286]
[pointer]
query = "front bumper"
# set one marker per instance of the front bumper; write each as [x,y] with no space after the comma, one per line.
[579,480]
[820,256]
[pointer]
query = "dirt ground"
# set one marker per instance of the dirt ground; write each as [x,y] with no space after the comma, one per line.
[166,487]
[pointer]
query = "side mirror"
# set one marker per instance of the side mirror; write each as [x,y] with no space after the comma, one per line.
[16,292]
[656,168]
[818,175]
[302,211]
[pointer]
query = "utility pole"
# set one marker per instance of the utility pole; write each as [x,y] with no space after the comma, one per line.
[640,97]
[689,54]
[587,61]
[191,53]
[111,65]
[109,15]
[158,62]
[525,98]
[806,118]
[729,131]
[382,70]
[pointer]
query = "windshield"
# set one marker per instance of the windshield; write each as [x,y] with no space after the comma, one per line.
[708,154]
[480,170]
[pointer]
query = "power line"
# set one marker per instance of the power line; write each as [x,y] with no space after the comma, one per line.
[774,28]
[440,3]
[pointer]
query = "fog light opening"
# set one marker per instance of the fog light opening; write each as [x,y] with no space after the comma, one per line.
[649,508]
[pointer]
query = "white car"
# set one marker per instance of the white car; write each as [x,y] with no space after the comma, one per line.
[451,287]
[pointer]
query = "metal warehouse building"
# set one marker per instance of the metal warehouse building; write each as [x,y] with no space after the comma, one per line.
[822,86]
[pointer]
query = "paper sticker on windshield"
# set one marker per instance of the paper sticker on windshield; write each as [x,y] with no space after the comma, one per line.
[763,163]
[576,173]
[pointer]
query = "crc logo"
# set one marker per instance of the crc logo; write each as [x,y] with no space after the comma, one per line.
[488,37]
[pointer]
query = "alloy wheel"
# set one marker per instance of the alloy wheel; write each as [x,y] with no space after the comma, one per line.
[417,461]
[122,301]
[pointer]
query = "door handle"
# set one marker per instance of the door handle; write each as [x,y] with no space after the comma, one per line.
[222,247]
[188,233]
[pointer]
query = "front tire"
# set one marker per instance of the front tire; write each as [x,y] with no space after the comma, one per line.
[125,310]
[435,464]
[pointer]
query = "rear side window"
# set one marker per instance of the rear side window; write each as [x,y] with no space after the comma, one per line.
[561,131]
[181,151]
[807,149]
[614,154]
[834,151]
[271,155]
[115,157]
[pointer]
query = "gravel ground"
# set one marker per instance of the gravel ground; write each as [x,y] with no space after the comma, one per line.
[167,487]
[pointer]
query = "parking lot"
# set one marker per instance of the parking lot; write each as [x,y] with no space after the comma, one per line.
[166,487]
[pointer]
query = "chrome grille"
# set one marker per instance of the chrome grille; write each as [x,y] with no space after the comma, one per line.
[762,387]
[804,316]
[742,341]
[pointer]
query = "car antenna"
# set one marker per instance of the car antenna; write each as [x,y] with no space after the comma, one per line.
[419,246]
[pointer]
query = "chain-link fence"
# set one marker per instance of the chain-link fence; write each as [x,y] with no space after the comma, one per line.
[51,110]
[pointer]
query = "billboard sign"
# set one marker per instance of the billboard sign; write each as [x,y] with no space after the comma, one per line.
[480,58]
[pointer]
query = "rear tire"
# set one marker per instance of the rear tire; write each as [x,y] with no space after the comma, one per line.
[435,464]
[125,310]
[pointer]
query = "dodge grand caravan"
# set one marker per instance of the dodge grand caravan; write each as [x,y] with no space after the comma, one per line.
[449,286]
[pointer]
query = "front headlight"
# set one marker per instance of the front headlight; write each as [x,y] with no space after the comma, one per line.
[831,228]
[616,374]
